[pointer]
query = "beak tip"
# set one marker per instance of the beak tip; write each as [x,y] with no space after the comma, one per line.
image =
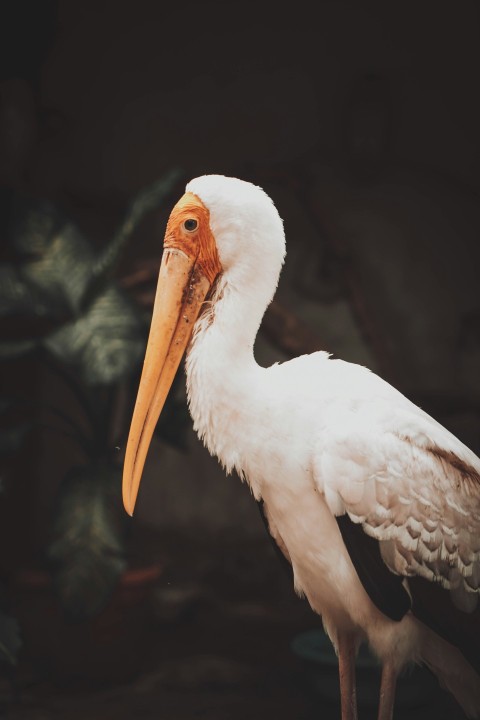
[129,505]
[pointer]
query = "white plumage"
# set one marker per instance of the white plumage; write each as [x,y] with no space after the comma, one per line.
[316,438]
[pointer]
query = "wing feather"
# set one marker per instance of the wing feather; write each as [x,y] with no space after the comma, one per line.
[412,486]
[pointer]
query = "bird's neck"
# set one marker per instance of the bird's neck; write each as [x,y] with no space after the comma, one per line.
[222,374]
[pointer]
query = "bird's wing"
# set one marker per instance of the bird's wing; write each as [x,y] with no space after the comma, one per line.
[412,486]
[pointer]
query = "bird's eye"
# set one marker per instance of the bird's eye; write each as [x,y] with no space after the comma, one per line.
[190,225]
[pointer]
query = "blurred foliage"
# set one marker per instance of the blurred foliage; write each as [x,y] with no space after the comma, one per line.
[11,440]
[13,434]
[10,640]
[95,341]
[104,343]
[87,552]
[102,333]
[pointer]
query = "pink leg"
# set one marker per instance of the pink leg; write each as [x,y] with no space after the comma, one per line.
[346,667]
[387,692]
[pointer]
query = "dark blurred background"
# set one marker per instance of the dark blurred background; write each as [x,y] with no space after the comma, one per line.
[361,120]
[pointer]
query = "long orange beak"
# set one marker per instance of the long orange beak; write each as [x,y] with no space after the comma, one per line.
[186,275]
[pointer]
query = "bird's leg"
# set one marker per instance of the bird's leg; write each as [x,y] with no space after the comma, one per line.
[387,691]
[346,667]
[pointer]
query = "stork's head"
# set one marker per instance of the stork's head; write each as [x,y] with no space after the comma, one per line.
[244,222]
[221,226]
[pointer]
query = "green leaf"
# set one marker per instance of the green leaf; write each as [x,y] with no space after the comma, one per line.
[62,272]
[17,297]
[10,641]
[33,224]
[58,264]
[86,551]
[106,343]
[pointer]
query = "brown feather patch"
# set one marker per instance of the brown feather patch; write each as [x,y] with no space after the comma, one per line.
[447,457]
[467,472]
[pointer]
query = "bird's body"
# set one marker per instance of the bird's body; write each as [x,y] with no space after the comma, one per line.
[318,439]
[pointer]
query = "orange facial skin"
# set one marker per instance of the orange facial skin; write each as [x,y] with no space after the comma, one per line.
[198,244]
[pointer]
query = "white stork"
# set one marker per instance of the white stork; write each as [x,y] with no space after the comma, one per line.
[375,505]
